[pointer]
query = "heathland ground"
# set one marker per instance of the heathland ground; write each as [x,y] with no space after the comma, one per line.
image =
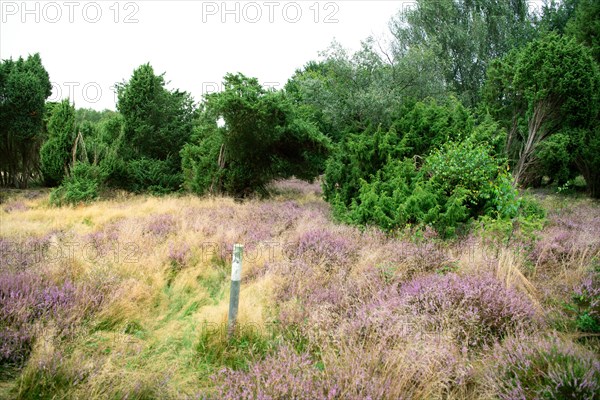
[128,298]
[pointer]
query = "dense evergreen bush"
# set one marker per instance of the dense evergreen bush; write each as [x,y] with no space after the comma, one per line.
[82,185]
[56,151]
[264,137]
[436,166]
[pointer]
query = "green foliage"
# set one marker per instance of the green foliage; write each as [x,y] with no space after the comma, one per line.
[198,161]
[345,92]
[556,158]
[24,88]
[521,225]
[585,25]
[559,71]
[264,137]
[464,36]
[433,167]
[147,174]
[586,143]
[585,305]
[156,123]
[428,125]
[80,186]
[56,151]
[556,15]
[90,115]
[548,88]
[421,128]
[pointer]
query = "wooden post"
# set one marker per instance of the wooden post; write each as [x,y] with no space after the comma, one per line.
[234,295]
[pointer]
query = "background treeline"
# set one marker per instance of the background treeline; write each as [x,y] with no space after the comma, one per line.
[438,125]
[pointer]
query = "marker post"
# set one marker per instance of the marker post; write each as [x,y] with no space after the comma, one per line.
[234,295]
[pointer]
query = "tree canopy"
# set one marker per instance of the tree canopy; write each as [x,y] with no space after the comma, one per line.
[24,88]
[263,137]
[548,88]
[157,122]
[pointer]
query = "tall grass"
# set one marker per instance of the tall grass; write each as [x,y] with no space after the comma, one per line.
[127,298]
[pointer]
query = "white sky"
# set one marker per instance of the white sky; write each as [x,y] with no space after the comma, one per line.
[194,42]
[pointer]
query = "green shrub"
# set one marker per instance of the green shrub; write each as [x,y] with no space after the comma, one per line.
[422,128]
[456,184]
[55,153]
[144,175]
[82,185]
[155,176]
[556,158]
[434,167]
[264,137]
[437,166]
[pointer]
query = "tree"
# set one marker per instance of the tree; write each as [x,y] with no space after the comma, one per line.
[585,26]
[551,86]
[56,152]
[157,122]
[556,15]
[24,88]
[464,35]
[587,156]
[346,93]
[343,92]
[264,137]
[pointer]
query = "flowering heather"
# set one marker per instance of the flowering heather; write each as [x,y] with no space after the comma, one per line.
[322,247]
[297,187]
[381,318]
[351,313]
[479,309]
[265,221]
[21,254]
[543,368]
[161,225]
[585,303]
[26,299]
[218,214]
[179,253]
[426,368]
[573,235]
[409,258]
[308,288]
[103,241]
[285,375]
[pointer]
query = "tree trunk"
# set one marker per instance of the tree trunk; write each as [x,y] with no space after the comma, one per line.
[536,132]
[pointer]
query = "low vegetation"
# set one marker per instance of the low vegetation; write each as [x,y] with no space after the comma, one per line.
[128,298]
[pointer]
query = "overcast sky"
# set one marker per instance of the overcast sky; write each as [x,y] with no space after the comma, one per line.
[87,46]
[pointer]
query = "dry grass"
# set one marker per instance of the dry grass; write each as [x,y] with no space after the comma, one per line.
[148,326]
[163,264]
